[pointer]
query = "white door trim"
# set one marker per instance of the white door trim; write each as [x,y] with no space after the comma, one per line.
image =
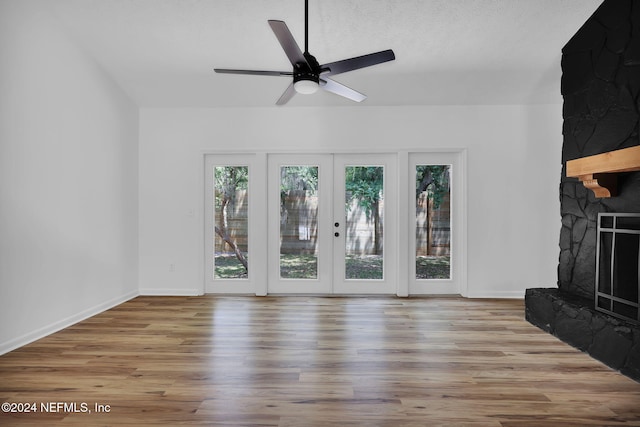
[388,285]
[255,282]
[457,284]
[322,284]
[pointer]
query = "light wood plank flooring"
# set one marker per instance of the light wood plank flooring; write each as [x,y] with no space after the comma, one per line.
[313,361]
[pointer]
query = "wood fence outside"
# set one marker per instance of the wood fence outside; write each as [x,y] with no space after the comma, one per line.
[433,226]
[299,223]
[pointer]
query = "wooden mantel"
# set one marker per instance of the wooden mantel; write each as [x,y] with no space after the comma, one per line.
[599,172]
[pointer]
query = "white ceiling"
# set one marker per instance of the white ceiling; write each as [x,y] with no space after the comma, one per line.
[162,52]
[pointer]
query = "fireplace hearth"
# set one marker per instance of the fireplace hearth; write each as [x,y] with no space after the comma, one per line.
[572,319]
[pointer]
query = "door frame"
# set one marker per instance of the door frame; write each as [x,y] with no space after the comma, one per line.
[331,194]
[257,267]
[322,284]
[457,284]
[389,284]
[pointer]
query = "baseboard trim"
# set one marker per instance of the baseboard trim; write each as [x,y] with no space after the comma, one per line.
[64,323]
[170,292]
[497,295]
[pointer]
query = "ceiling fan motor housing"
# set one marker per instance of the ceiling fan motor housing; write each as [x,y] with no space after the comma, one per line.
[309,71]
[306,76]
[299,75]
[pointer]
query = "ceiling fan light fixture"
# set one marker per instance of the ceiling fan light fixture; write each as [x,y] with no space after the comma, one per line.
[306,87]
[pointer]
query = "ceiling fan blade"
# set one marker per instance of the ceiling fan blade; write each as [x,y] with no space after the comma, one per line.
[287,42]
[287,95]
[253,72]
[358,62]
[342,90]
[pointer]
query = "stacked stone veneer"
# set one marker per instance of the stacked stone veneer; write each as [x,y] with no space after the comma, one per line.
[601,91]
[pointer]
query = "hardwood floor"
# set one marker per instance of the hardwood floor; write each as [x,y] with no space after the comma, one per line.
[312,361]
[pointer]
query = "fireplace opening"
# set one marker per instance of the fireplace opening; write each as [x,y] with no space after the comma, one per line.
[618,267]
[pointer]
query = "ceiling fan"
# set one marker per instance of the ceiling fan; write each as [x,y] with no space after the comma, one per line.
[308,74]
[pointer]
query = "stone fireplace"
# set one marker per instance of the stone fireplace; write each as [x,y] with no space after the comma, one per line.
[601,111]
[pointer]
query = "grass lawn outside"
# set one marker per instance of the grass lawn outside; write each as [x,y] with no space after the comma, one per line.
[293,266]
[433,267]
[227,266]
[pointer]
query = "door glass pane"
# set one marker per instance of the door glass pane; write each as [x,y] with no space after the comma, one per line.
[231,222]
[364,222]
[299,222]
[433,221]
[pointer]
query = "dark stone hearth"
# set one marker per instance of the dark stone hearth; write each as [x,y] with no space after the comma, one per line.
[633,360]
[574,330]
[540,311]
[612,345]
[612,341]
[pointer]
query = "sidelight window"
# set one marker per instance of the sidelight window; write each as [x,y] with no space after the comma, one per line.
[231,223]
[433,221]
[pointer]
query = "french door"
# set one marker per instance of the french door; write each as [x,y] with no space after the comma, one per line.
[335,223]
[332,224]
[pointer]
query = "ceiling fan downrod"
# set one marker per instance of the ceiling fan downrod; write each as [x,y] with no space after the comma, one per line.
[306,76]
[306,26]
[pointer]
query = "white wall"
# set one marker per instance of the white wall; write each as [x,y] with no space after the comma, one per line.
[513,172]
[68,181]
